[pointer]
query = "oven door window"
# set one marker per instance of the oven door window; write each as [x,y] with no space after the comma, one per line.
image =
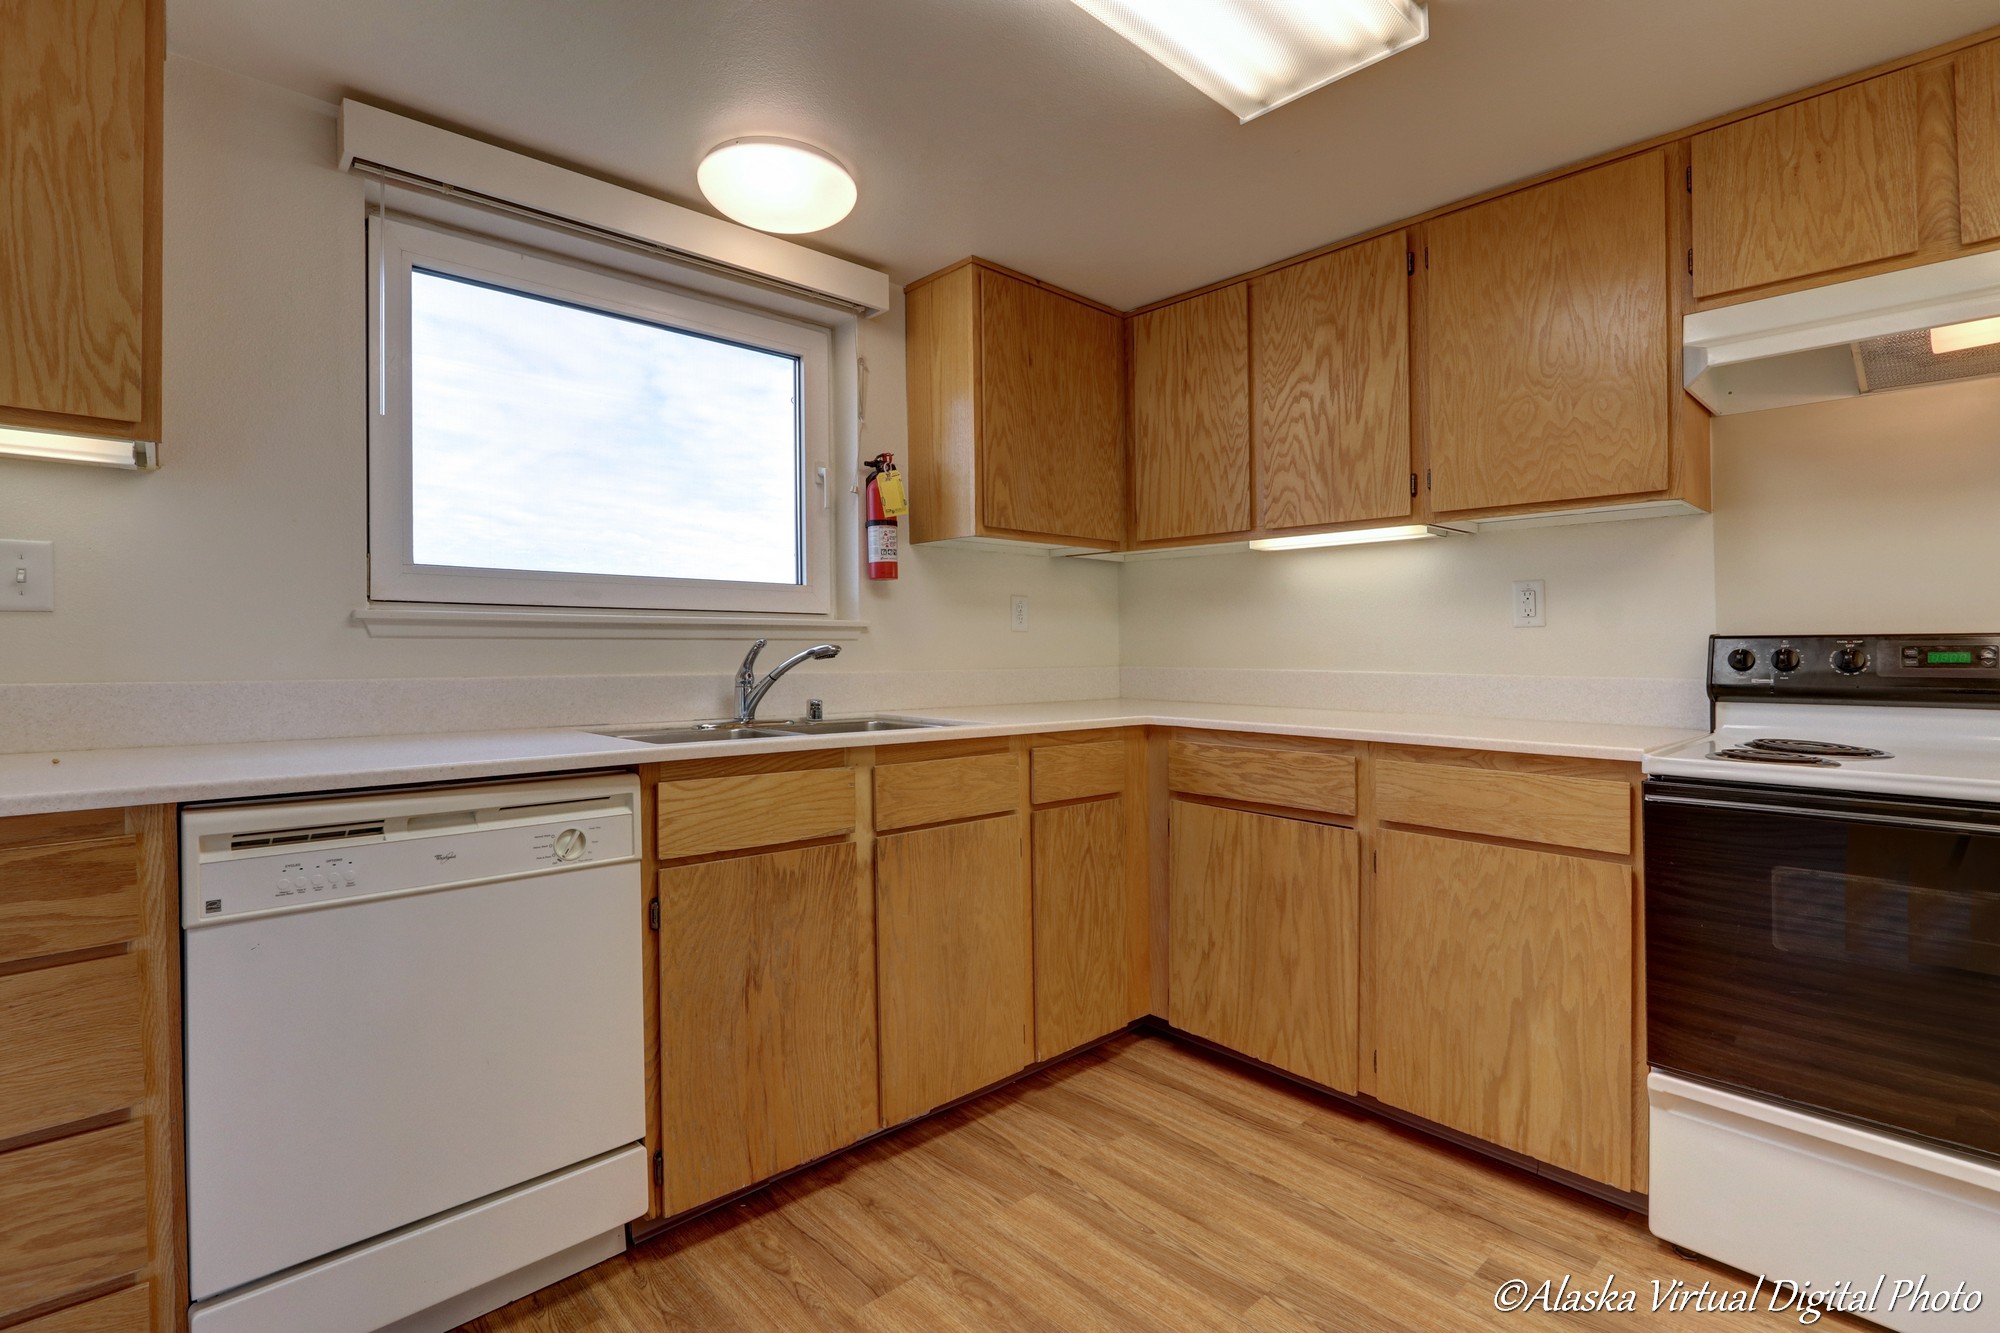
[1836,962]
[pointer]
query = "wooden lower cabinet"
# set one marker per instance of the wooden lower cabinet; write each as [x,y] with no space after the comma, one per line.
[953,961]
[1501,989]
[767,1019]
[120,1312]
[1082,959]
[76,1215]
[1264,938]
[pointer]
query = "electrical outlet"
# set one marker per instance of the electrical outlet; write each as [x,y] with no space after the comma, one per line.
[1017,617]
[1531,603]
[27,576]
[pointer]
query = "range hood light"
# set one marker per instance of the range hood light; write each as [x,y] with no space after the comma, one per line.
[1960,337]
[1409,532]
[49,446]
[1254,56]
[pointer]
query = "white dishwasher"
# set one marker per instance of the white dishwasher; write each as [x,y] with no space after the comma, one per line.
[415,1051]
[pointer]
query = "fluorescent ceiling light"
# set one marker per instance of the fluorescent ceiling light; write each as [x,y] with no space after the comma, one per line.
[1409,532]
[51,447]
[776,185]
[1255,55]
[1960,337]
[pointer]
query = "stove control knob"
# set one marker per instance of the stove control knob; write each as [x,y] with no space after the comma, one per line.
[570,844]
[1850,661]
[1786,659]
[1742,659]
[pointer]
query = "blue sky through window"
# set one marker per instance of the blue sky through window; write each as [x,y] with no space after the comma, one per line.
[555,438]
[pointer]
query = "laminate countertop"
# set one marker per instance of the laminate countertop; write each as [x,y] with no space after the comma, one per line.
[158,775]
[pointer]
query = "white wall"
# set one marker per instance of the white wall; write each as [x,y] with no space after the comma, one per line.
[1870,516]
[243,556]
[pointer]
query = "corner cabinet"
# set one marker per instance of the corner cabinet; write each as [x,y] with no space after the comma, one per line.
[80,119]
[1017,411]
[1551,350]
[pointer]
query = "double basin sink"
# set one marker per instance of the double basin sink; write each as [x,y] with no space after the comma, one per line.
[730,731]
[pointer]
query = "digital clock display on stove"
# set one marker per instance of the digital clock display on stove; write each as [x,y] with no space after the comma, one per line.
[1947,657]
[1919,656]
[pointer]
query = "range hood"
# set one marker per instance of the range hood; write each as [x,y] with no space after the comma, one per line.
[1865,336]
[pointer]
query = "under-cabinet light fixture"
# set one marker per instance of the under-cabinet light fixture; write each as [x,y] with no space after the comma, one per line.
[1253,56]
[1964,337]
[54,447]
[1408,532]
[777,185]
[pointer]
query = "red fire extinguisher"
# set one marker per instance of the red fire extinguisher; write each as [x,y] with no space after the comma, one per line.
[885,501]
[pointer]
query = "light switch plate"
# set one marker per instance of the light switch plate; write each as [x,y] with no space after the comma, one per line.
[27,576]
[1531,610]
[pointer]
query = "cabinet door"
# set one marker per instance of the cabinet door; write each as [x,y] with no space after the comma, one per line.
[75,212]
[1082,961]
[1976,94]
[1263,947]
[1330,340]
[1809,188]
[767,1017]
[1549,342]
[953,929]
[1191,417]
[1052,413]
[1501,982]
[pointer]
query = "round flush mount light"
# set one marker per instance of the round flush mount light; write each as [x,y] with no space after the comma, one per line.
[776,185]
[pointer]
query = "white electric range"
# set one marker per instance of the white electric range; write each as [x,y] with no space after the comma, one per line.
[1823,975]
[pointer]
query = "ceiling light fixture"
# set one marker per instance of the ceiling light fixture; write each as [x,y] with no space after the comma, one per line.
[1409,532]
[1256,55]
[1962,337]
[52,447]
[776,185]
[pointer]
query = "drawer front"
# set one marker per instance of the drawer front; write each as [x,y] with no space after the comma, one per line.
[71,896]
[66,826]
[73,1044]
[127,1311]
[932,791]
[1073,772]
[702,815]
[1295,779]
[1592,813]
[76,1215]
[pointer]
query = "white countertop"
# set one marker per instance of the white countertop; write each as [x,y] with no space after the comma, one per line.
[100,779]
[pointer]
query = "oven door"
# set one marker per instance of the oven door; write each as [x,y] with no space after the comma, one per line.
[1837,951]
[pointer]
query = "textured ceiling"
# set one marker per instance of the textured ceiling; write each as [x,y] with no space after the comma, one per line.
[1025,131]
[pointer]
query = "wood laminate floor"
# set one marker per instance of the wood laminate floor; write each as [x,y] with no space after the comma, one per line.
[1142,1185]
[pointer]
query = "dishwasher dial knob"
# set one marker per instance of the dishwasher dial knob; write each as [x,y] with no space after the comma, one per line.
[570,844]
[1742,659]
[1786,659]
[1850,661]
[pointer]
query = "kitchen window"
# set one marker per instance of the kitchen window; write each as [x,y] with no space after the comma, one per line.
[546,433]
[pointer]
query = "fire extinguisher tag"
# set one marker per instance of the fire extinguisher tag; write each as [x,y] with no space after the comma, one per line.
[895,500]
[882,543]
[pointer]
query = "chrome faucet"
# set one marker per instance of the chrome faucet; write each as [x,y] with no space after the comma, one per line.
[750,691]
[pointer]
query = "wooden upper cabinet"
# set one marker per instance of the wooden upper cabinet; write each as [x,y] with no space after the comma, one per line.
[1976,100]
[1017,411]
[80,87]
[1330,340]
[1809,188]
[1550,346]
[1191,417]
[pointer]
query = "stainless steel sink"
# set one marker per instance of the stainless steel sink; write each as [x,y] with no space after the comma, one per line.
[729,731]
[837,726]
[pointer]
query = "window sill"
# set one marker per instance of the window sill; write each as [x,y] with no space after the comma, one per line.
[418,621]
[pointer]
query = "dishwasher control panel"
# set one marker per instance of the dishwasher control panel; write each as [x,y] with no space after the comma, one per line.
[268,859]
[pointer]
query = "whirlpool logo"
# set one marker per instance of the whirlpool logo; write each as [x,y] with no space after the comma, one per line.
[444,856]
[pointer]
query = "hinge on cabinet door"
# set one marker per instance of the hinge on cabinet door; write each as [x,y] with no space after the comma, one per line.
[659,1168]
[1374,860]
[1427,479]
[1413,485]
[1427,256]
[1411,255]
[653,914]
[1375,1061]
[1690,179]
[1690,261]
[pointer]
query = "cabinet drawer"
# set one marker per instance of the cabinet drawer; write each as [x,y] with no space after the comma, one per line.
[1296,779]
[73,1046]
[702,815]
[76,1215]
[932,791]
[78,895]
[1072,772]
[1591,813]
[127,1311]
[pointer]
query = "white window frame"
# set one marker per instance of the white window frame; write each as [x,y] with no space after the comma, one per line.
[397,248]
